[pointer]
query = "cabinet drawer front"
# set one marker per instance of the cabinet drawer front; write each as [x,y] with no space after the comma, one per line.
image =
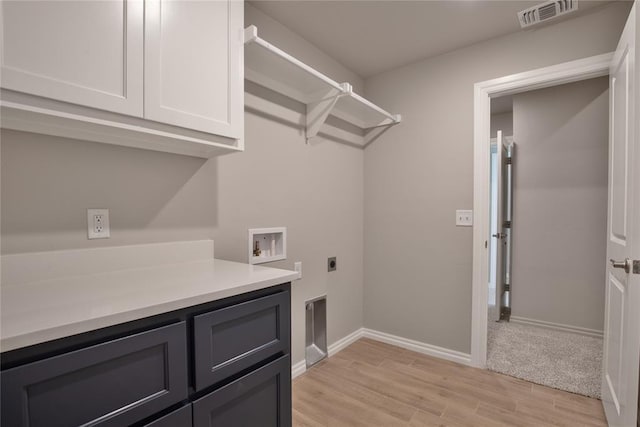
[261,398]
[87,53]
[178,418]
[110,384]
[234,338]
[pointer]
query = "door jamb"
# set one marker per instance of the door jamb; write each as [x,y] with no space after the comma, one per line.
[567,72]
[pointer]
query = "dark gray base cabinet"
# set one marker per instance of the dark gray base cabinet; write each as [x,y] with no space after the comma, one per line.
[225,363]
[260,398]
[110,384]
[231,339]
[179,418]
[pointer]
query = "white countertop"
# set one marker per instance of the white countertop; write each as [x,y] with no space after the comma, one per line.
[42,310]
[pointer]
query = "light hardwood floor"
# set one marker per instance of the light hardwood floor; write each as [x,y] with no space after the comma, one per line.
[374,384]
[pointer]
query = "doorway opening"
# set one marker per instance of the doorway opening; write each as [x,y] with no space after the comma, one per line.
[547,242]
[572,71]
[620,365]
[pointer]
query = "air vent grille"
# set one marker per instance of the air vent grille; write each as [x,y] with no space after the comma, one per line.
[546,11]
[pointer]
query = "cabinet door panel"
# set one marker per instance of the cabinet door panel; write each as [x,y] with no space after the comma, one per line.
[111,384]
[194,65]
[235,338]
[261,398]
[84,52]
[178,418]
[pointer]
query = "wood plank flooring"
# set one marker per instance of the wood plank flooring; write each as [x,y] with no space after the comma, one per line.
[375,384]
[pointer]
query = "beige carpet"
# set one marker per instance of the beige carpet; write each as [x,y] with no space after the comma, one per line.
[561,360]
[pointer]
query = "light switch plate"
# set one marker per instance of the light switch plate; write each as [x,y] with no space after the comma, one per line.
[464,218]
[297,266]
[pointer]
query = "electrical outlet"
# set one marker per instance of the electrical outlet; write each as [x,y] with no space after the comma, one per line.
[98,224]
[297,266]
[464,218]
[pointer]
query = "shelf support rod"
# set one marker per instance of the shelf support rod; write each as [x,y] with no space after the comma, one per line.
[397,118]
[318,111]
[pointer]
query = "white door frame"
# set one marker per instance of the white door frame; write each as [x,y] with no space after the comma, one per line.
[567,72]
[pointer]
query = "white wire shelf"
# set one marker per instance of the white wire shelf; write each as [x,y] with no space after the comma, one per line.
[271,67]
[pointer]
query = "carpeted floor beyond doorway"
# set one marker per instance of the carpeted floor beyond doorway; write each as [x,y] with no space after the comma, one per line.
[561,360]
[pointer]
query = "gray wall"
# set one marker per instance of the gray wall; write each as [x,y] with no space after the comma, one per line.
[417,262]
[279,35]
[315,190]
[503,122]
[560,203]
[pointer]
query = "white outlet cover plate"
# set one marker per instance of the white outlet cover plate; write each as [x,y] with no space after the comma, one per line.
[91,232]
[464,218]
[297,266]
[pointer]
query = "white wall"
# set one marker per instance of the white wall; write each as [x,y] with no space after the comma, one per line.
[503,122]
[315,190]
[417,262]
[560,204]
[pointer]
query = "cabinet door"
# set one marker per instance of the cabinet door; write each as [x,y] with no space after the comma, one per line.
[115,383]
[261,398]
[232,339]
[178,418]
[83,52]
[194,72]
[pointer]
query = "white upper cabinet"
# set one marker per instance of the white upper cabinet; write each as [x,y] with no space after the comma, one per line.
[83,52]
[163,75]
[194,74]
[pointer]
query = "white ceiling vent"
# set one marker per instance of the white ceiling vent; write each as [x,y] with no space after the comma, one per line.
[546,11]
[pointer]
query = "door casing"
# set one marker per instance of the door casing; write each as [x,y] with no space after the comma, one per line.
[567,72]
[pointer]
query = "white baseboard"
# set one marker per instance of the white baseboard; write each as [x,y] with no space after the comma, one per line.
[298,369]
[301,367]
[345,341]
[557,326]
[419,347]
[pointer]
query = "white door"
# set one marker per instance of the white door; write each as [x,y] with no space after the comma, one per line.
[194,73]
[498,238]
[84,52]
[622,311]
[502,214]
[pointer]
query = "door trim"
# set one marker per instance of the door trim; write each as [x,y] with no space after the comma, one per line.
[566,72]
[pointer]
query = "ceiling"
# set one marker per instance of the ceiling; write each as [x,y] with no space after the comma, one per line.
[370,37]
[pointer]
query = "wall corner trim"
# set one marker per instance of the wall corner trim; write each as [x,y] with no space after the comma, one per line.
[298,369]
[406,343]
[345,342]
[419,347]
[301,367]
[596,333]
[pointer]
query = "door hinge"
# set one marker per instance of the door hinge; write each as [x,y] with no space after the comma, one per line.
[635,266]
[507,160]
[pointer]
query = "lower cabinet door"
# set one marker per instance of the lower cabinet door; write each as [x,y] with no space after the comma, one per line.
[115,383]
[261,398]
[178,418]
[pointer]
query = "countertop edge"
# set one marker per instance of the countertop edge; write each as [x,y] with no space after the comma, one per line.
[48,334]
